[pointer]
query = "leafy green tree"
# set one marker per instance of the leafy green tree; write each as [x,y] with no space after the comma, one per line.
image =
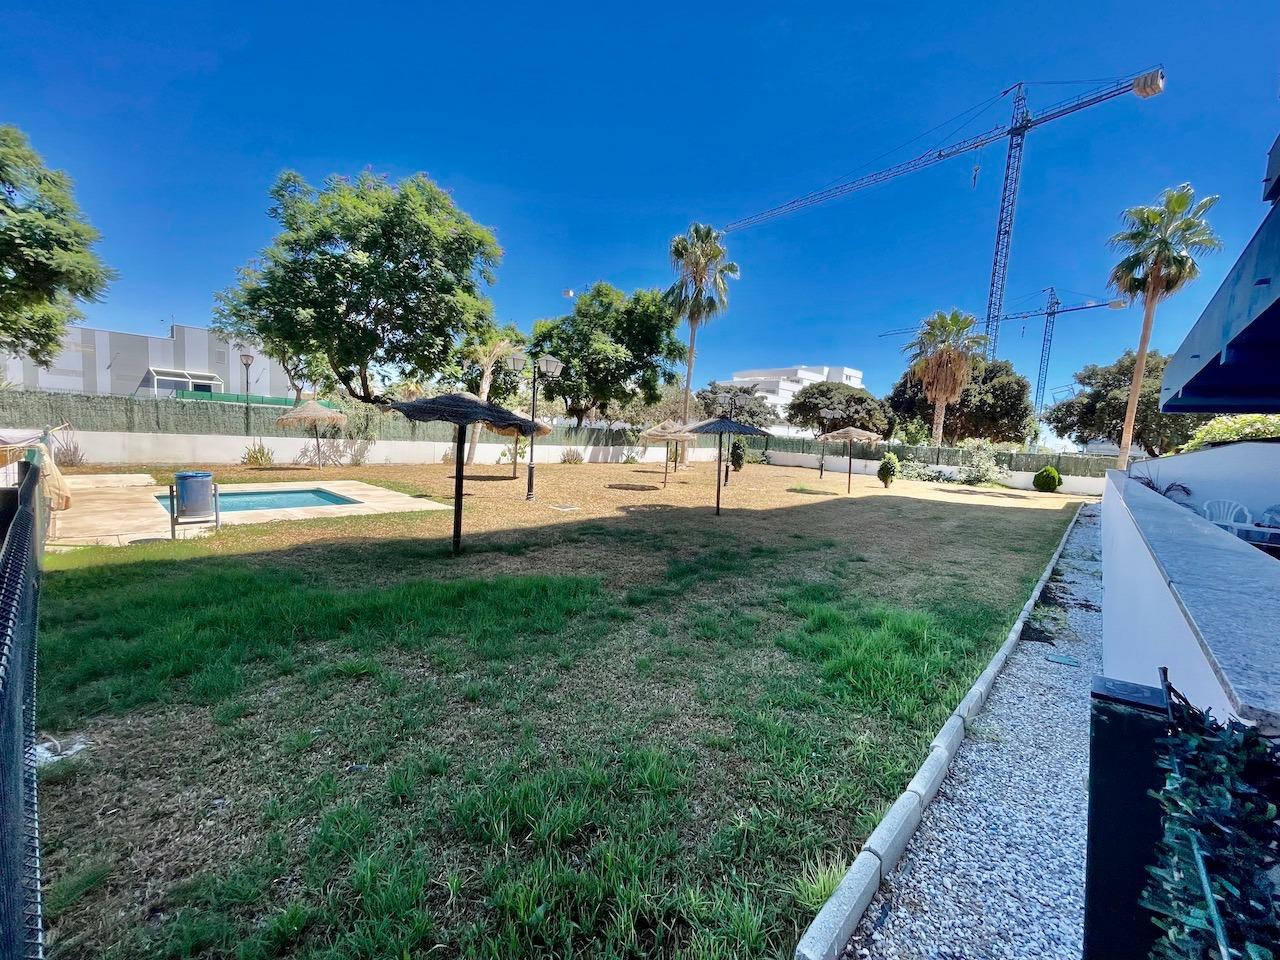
[859,408]
[47,262]
[1160,245]
[995,404]
[1098,410]
[749,407]
[701,291]
[233,321]
[941,358]
[484,371]
[614,348]
[382,280]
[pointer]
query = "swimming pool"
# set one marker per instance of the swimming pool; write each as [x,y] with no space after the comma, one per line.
[236,501]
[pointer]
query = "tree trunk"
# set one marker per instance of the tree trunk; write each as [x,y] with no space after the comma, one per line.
[939,412]
[682,448]
[486,383]
[1149,298]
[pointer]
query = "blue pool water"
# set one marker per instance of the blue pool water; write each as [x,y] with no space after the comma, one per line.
[235,501]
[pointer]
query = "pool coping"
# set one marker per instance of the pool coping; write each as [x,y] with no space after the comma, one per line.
[136,514]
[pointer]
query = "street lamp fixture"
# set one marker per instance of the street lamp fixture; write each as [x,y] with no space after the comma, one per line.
[247,360]
[827,415]
[728,404]
[548,368]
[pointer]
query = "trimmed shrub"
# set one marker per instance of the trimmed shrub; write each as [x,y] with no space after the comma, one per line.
[888,468]
[1047,479]
[571,455]
[737,454]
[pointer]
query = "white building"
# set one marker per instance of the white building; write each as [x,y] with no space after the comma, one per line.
[778,385]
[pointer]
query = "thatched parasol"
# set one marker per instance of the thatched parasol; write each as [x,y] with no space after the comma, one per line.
[850,436]
[720,426]
[462,410]
[542,431]
[314,415]
[669,432]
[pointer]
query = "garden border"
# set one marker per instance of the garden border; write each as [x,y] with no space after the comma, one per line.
[826,937]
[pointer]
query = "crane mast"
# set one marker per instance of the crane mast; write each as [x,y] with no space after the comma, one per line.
[1018,128]
[1144,85]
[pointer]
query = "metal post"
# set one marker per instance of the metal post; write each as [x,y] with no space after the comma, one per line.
[533,415]
[822,461]
[1127,723]
[729,462]
[848,486]
[173,513]
[666,462]
[719,458]
[459,455]
[217,508]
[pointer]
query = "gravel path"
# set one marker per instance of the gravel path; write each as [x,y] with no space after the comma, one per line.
[996,869]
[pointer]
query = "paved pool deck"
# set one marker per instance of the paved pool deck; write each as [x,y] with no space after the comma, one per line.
[111,513]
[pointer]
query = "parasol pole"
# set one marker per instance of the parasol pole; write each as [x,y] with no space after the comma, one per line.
[515,456]
[459,455]
[719,463]
[666,462]
[848,486]
[316,428]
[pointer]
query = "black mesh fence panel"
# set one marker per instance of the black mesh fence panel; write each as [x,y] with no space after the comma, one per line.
[23,516]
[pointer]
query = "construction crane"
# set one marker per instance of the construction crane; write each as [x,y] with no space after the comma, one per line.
[1147,84]
[1053,306]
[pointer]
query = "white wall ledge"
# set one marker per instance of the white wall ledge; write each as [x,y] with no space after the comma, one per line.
[1228,591]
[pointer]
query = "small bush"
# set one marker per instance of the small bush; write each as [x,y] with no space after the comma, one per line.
[737,453]
[1047,479]
[888,468]
[67,452]
[258,454]
[757,456]
[631,458]
[571,455]
[981,466]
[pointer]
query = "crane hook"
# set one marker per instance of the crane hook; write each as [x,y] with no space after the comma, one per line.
[976,168]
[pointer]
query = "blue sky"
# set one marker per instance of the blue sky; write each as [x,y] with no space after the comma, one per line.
[586,137]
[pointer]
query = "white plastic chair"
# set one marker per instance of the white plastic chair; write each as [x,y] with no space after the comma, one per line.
[1231,515]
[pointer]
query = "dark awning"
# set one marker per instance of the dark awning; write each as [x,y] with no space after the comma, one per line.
[463,409]
[1230,360]
[725,425]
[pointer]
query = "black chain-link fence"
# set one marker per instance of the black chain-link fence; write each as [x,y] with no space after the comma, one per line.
[22,521]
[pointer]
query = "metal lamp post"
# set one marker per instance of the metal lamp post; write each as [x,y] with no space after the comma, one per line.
[247,360]
[728,404]
[831,415]
[515,363]
[827,415]
[549,368]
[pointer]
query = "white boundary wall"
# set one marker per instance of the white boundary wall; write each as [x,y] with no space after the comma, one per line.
[102,447]
[1144,625]
[1019,479]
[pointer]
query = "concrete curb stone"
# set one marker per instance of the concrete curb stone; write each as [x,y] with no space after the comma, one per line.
[835,922]
[889,839]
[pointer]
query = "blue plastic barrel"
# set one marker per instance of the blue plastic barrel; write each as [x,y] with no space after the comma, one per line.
[195,493]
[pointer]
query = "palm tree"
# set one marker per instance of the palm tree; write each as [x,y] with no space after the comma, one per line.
[701,290]
[486,351]
[1161,243]
[942,356]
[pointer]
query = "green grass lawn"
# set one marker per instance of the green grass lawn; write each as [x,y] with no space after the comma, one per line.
[671,746]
